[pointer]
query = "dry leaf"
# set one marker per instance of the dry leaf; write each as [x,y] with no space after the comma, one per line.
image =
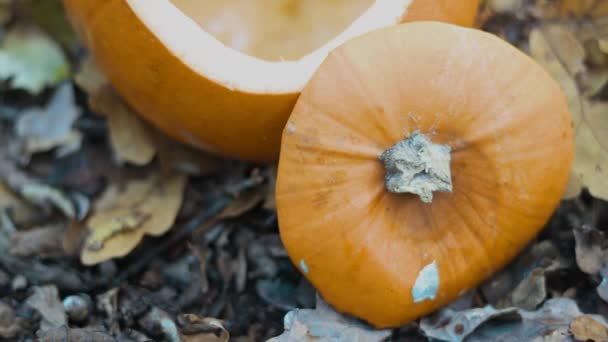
[131,138]
[88,334]
[556,48]
[270,201]
[31,60]
[123,216]
[324,324]
[46,301]
[73,238]
[10,323]
[505,6]
[603,45]
[43,129]
[89,77]
[243,203]
[44,195]
[455,326]
[194,328]
[5,11]
[175,156]
[552,320]
[585,328]
[569,9]
[172,155]
[42,241]
[531,291]
[590,249]
[19,210]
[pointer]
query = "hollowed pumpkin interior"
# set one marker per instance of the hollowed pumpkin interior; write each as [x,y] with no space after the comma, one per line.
[274,29]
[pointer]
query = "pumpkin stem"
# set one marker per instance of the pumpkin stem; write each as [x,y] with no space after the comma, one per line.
[417,166]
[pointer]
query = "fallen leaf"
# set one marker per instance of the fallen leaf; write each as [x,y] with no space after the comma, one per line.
[122,216]
[10,324]
[455,326]
[324,324]
[5,11]
[269,200]
[243,203]
[569,9]
[591,249]
[31,60]
[43,242]
[603,45]
[556,48]
[591,157]
[107,302]
[44,195]
[45,300]
[505,6]
[131,138]
[49,15]
[88,334]
[507,325]
[19,211]
[172,155]
[584,328]
[523,282]
[531,291]
[264,265]
[43,129]
[175,156]
[194,328]
[89,77]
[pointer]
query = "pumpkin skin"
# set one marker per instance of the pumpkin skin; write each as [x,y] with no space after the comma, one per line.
[449,11]
[181,102]
[368,251]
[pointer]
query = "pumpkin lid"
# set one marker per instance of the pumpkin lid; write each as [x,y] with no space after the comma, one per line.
[418,160]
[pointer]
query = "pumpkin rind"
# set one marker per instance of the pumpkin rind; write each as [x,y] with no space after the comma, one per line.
[390,258]
[184,104]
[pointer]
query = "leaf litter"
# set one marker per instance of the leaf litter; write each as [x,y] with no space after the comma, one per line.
[30,60]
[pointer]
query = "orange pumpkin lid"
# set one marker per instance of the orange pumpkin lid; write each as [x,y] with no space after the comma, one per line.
[224,75]
[419,160]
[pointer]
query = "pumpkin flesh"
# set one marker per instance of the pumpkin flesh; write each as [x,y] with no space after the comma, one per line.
[274,29]
[369,251]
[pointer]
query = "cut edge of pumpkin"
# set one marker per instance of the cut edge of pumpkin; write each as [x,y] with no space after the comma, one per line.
[239,71]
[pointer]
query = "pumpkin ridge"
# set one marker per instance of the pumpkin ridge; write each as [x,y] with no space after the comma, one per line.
[331,117]
[474,233]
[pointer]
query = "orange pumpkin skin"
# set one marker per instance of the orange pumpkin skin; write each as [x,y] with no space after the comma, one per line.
[165,91]
[170,95]
[364,248]
[449,11]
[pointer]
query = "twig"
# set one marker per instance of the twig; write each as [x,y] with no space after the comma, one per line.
[214,209]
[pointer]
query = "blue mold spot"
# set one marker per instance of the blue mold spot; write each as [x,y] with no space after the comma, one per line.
[303,266]
[427,283]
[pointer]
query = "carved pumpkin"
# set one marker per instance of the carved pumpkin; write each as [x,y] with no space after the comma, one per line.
[417,161]
[224,75]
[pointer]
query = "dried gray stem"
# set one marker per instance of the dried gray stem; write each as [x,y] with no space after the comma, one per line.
[417,166]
